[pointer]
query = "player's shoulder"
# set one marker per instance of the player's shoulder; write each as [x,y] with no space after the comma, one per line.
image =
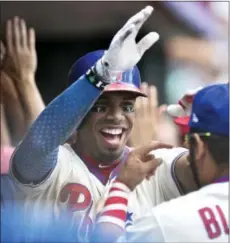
[183,205]
[215,191]
[66,153]
[169,152]
[66,148]
[68,161]
[181,214]
[169,155]
[176,210]
[165,152]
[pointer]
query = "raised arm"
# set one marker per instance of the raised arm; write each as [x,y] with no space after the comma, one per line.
[20,64]
[13,110]
[37,154]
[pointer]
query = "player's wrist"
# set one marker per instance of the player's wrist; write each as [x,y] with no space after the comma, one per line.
[105,71]
[116,205]
[22,78]
[121,185]
[95,78]
[129,183]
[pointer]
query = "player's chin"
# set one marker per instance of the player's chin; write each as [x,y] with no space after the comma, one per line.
[111,154]
[113,148]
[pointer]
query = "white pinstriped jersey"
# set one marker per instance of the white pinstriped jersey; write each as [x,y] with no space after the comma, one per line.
[72,185]
[201,216]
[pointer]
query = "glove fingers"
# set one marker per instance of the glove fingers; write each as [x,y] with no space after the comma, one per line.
[139,18]
[122,35]
[126,33]
[146,14]
[146,42]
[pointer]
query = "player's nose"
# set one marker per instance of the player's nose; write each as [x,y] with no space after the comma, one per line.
[115,114]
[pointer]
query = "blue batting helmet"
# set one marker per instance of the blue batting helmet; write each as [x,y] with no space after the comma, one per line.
[128,81]
[210,110]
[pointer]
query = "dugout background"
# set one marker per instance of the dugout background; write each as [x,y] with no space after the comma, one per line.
[66,30]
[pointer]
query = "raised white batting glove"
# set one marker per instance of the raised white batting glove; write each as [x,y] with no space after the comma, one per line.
[184,106]
[124,53]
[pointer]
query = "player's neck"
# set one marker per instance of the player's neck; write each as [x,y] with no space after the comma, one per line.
[223,174]
[104,161]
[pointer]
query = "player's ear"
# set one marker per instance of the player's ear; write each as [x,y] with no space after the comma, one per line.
[200,148]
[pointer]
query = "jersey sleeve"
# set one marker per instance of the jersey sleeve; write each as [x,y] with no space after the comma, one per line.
[63,165]
[165,179]
[37,154]
[145,229]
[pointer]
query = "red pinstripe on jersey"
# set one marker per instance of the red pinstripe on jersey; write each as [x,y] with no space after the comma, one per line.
[115,208]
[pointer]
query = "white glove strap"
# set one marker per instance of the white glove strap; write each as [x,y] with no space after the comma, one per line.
[94,79]
[105,73]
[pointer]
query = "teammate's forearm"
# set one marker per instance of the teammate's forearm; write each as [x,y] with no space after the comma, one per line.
[110,224]
[30,98]
[13,109]
[37,154]
[16,122]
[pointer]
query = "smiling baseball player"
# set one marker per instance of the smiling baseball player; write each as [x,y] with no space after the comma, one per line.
[97,113]
[200,216]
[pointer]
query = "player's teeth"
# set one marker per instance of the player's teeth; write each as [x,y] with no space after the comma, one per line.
[113,131]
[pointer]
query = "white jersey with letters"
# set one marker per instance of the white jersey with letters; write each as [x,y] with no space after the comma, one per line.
[72,186]
[201,216]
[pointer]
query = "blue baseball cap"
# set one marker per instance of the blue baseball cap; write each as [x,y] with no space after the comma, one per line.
[128,81]
[210,110]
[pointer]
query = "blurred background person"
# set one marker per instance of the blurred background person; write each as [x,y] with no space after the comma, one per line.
[21,101]
[201,59]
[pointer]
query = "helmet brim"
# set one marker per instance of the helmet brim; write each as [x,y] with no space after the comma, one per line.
[124,87]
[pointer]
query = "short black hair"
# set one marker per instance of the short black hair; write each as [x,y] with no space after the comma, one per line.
[218,146]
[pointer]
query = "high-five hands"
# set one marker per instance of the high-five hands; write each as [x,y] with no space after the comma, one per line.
[124,53]
[20,58]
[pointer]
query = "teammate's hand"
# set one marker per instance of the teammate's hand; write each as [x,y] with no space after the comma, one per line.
[124,52]
[6,84]
[20,59]
[140,164]
[148,116]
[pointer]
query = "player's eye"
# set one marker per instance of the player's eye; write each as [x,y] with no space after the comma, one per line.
[99,108]
[128,107]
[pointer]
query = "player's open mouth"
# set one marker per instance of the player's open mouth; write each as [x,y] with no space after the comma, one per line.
[112,136]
